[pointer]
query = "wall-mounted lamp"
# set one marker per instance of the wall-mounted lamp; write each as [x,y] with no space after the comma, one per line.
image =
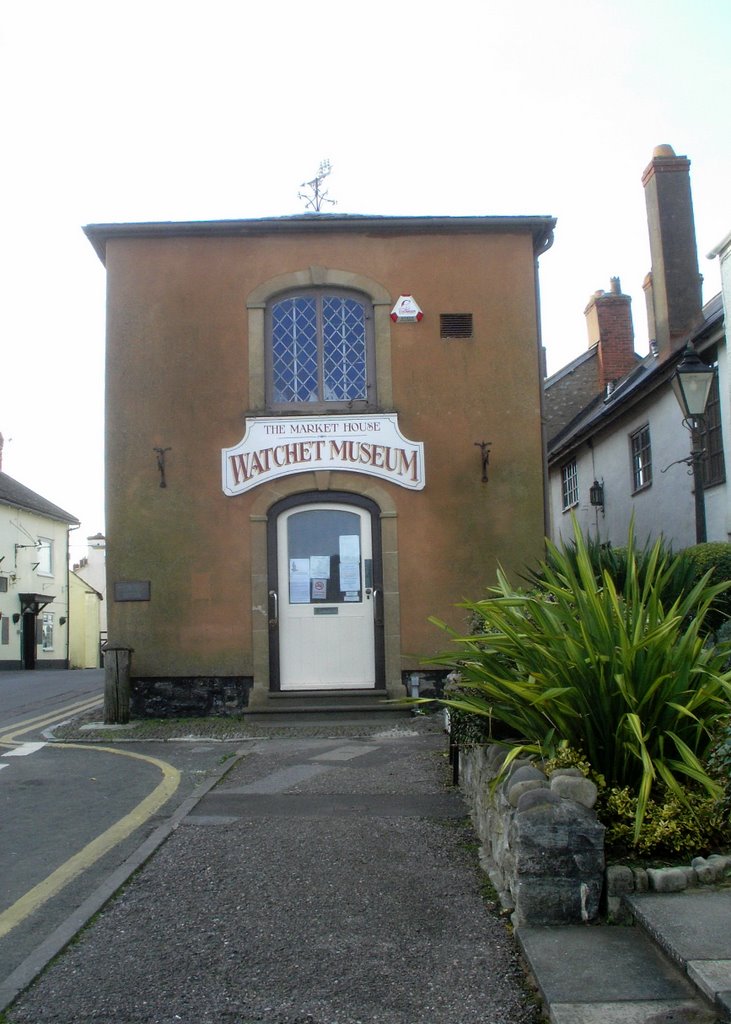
[596,495]
[16,617]
[62,621]
[484,447]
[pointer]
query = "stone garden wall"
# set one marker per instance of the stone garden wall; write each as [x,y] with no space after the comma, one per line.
[542,844]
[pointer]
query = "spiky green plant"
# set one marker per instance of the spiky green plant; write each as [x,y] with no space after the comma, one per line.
[617,674]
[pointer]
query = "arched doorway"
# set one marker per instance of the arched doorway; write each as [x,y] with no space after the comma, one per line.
[325,593]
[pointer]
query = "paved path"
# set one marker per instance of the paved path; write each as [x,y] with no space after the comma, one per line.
[324,881]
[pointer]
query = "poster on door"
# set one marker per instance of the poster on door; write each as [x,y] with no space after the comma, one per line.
[299,581]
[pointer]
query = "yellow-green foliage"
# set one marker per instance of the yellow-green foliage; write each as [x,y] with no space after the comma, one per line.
[669,827]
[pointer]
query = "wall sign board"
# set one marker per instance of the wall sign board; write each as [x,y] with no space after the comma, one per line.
[132,590]
[280,446]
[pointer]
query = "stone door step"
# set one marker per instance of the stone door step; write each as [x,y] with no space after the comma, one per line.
[672,967]
[611,974]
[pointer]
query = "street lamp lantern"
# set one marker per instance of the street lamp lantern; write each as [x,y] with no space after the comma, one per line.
[691,383]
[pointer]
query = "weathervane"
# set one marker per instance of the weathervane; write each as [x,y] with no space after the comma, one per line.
[318,197]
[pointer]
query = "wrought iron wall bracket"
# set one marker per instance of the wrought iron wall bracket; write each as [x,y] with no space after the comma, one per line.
[161,452]
[484,447]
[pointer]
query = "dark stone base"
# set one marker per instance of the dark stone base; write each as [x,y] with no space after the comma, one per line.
[189,697]
[431,683]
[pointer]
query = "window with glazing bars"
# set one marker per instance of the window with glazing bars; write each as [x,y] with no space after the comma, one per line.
[711,439]
[320,351]
[569,485]
[641,458]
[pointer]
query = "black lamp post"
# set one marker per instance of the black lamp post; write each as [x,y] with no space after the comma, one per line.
[692,384]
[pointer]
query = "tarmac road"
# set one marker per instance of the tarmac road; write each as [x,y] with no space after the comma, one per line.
[73,813]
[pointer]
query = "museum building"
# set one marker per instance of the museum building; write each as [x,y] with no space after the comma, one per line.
[322,432]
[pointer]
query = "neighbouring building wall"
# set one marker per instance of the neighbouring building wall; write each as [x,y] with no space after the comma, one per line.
[85,606]
[34,553]
[723,252]
[93,570]
[664,506]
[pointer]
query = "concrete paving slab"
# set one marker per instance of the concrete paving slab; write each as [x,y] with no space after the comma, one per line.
[649,1012]
[692,925]
[279,781]
[245,806]
[711,976]
[603,964]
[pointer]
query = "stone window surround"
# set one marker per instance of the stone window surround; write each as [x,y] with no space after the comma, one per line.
[318,277]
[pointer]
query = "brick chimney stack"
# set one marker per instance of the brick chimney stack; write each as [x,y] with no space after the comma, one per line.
[673,289]
[609,324]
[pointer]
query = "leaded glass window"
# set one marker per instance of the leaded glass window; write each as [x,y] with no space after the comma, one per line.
[320,350]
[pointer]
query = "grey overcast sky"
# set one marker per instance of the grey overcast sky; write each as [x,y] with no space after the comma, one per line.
[182,110]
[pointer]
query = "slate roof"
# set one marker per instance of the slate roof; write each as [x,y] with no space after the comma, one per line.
[19,496]
[648,375]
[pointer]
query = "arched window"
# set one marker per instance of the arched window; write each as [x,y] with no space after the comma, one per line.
[320,350]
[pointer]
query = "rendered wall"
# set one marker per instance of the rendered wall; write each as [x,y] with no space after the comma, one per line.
[177,359]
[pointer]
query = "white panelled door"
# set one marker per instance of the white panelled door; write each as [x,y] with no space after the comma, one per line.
[325,597]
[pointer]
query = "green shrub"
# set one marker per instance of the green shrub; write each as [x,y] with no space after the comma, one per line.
[714,558]
[621,675]
[671,827]
[682,571]
[719,766]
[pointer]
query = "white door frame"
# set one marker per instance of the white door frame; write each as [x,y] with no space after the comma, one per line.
[322,638]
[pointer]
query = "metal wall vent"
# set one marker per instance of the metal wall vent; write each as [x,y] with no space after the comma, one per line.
[455,325]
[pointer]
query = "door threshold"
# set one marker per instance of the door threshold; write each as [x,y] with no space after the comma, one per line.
[381,694]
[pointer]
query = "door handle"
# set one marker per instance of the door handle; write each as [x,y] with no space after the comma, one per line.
[376,592]
[274,621]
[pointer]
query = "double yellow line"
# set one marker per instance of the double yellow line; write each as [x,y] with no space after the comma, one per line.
[8,734]
[115,834]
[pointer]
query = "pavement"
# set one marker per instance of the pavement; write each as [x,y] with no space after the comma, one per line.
[333,879]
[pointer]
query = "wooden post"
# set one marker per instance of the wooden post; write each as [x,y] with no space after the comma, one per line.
[116,685]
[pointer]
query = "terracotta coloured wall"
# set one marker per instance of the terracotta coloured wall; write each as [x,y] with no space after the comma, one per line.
[177,365]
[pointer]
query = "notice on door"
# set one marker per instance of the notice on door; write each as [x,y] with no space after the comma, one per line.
[299,581]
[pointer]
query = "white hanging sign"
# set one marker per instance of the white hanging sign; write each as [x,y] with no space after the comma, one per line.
[280,446]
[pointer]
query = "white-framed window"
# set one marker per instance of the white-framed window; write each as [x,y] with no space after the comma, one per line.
[569,485]
[45,556]
[641,458]
[320,351]
[47,631]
